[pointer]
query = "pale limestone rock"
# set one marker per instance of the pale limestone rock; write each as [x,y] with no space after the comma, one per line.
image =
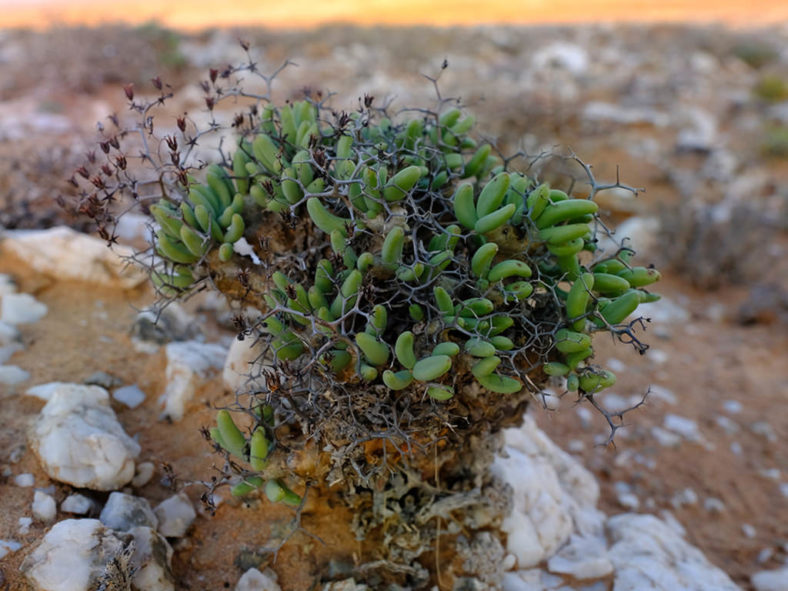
[64,253]
[143,475]
[554,496]
[7,351]
[21,308]
[584,557]
[9,334]
[771,580]
[123,512]
[152,560]
[176,515]
[44,508]
[645,550]
[79,440]
[77,504]
[8,546]
[239,364]
[7,284]
[25,480]
[45,391]
[131,396]
[72,556]
[188,362]
[12,375]
[254,580]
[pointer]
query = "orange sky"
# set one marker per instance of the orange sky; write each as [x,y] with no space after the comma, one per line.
[195,14]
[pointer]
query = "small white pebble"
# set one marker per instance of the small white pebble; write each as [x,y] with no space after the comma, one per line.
[77,504]
[765,430]
[21,308]
[685,427]
[8,546]
[12,375]
[24,480]
[8,334]
[784,491]
[732,406]
[765,555]
[576,446]
[624,458]
[144,474]
[175,515]
[662,393]
[585,416]
[131,396]
[44,508]
[7,285]
[748,530]
[713,505]
[7,351]
[629,501]
[24,525]
[771,473]
[243,248]
[509,562]
[615,365]
[549,402]
[726,424]
[684,497]
[658,356]
[665,438]
[736,448]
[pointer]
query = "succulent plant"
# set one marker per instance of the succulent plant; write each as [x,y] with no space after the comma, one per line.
[414,289]
[431,251]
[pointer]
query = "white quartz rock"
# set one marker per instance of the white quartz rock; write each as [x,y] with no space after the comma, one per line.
[240,364]
[79,440]
[188,362]
[123,512]
[73,556]
[7,284]
[44,507]
[584,557]
[7,351]
[64,253]
[143,475]
[77,504]
[152,560]
[21,308]
[12,375]
[553,496]
[8,546]
[45,391]
[254,580]
[644,548]
[175,514]
[25,480]
[132,396]
[771,580]
[9,334]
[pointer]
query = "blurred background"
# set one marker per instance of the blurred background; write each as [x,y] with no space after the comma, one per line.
[688,100]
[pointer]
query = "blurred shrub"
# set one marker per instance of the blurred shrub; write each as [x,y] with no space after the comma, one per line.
[755,54]
[720,244]
[771,88]
[775,141]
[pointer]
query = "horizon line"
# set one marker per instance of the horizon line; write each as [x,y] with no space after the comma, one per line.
[200,15]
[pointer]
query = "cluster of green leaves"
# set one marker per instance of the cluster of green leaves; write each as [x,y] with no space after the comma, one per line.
[431,255]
